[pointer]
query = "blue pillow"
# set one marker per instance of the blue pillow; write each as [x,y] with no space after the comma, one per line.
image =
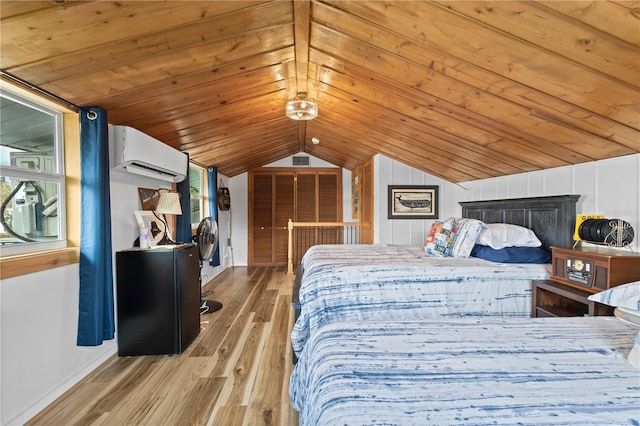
[512,254]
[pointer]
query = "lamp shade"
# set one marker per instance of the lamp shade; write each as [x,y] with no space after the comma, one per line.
[168,203]
[302,108]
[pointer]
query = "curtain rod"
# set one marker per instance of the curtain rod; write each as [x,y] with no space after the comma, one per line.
[38,91]
[197,163]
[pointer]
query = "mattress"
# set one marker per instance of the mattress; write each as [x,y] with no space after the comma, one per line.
[361,282]
[463,371]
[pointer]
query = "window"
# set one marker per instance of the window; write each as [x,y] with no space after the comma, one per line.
[32,180]
[195,190]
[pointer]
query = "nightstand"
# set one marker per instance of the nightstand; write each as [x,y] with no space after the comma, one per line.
[577,274]
[554,299]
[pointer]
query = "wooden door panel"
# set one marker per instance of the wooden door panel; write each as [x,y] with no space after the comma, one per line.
[328,198]
[284,210]
[261,241]
[305,198]
[262,245]
[277,195]
[366,205]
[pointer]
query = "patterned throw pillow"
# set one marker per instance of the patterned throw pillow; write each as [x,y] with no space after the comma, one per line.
[436,227]
[441,238]
[466,235]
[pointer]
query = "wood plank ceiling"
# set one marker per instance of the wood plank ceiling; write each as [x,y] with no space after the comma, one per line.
[460,89]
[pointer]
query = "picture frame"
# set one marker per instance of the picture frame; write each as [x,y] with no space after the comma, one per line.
[155,226]
[413,202]
[148,198]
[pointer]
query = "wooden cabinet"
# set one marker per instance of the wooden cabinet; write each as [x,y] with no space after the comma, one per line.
[279,194]
[362,199]
[158,295]
[554,299]
[577,274]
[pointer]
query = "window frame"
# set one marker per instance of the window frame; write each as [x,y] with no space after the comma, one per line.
[56,177]
[201,195]
[12,265]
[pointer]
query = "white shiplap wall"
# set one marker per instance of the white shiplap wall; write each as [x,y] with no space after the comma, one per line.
[608,187]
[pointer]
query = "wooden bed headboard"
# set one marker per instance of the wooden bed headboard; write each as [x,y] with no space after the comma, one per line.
[552,218]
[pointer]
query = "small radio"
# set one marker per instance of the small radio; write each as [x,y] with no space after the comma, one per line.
[579,271]
[594,269]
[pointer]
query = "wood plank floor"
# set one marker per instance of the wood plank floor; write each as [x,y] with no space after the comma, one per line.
[236,372]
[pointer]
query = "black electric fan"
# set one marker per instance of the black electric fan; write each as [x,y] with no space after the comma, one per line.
[206,238]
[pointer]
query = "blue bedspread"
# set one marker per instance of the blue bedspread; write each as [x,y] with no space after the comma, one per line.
[463,371]
[360,282]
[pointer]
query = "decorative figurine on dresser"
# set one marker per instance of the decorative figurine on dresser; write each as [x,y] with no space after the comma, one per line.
[582,270]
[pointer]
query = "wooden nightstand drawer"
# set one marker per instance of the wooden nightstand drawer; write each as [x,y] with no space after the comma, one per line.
[553,299]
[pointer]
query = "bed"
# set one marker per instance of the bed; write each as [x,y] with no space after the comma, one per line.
[531,371]
[362,282]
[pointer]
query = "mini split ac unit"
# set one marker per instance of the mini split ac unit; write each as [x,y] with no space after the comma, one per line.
[136,152]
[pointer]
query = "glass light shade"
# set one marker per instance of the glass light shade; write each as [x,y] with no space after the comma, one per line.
[302,108]
[168,203]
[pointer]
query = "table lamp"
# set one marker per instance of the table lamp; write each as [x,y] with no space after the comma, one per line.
[168,203]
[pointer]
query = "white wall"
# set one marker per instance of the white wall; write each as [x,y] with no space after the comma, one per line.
[607,187]
[40,359]
[411,232]
[239,190]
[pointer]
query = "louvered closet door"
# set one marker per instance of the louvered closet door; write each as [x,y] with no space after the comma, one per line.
[262,214]
[328,208]
[284,210]
[305,198]
[317,200]
[306,211]
[329,196]
[307,195]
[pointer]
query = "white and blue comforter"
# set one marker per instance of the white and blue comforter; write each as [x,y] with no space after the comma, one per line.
[463,371]
[361,282]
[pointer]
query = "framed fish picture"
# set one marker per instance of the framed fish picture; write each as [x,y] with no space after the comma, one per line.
[413,202]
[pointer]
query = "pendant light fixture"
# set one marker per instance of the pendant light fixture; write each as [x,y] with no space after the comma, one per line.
[302,107]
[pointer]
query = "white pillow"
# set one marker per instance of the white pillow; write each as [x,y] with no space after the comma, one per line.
[501,235]
[625,296]
[626,299]
[466,236]
[634,355]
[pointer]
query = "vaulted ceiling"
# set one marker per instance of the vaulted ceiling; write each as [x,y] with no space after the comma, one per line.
[460,89]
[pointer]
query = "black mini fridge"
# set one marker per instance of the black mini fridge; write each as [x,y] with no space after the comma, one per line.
[158,299]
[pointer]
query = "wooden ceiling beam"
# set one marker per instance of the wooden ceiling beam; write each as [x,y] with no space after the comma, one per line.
[302,23]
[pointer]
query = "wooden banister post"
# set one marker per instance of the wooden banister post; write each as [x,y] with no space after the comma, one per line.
[290,249]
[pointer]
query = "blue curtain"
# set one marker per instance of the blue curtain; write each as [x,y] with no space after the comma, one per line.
[212,179]
[96,317]
[183,221]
